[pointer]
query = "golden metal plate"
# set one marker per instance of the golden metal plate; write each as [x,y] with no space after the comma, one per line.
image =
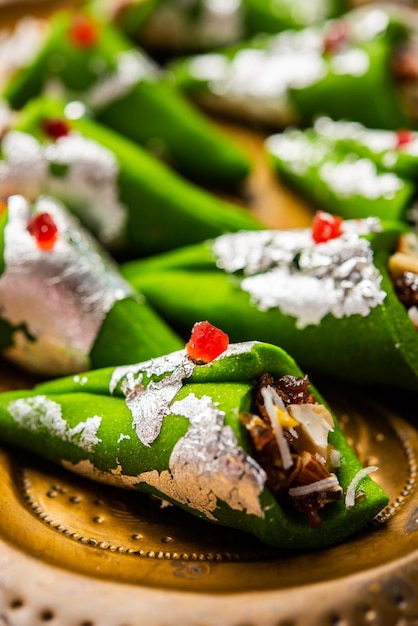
[76,553]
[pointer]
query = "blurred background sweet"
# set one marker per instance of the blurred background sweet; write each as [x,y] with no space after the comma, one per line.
[184,99]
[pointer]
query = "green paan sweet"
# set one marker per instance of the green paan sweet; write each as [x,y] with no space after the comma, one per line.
[64,305]
[176,26]
[330,301]
[133,203]
[182,431]
[85,59]
[356,67]
[332,166]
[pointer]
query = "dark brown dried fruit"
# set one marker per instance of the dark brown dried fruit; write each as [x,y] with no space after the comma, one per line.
[405,63]
[406,287]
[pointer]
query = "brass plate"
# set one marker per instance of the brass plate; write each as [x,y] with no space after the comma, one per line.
[73,552]
[76,553]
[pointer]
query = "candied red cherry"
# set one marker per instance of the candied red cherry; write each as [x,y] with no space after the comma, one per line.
[326,226]
[336,37]
[84,32]
[206,342]
[43,228]
[55,127]
[404,136]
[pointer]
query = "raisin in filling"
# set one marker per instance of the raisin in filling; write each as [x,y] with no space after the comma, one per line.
[298,478]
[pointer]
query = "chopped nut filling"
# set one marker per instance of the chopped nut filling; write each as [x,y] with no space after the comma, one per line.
[403,268]
[289,430]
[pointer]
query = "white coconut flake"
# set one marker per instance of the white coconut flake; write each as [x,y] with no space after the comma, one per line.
[271,401]
[319,485]
[350,496]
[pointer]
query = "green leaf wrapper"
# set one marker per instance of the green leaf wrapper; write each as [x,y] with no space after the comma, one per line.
[337,178]
[133,203]
[171,428]
[126,91]
[342,68]
[66,307]
[315,301]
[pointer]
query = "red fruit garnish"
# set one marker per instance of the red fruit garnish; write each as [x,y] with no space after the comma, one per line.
[56,127]
[43,228]
[206,342]
[326,226]
[336,37]
[84,32]
[403,137]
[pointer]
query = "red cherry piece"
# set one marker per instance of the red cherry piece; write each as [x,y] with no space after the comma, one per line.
[43,228]
[326,226]
[404,136]
[336,37]
[84,32]
[206,342]
[56,128]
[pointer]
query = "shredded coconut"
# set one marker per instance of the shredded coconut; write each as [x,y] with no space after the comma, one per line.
[271,400]
[319,485]
[350,496]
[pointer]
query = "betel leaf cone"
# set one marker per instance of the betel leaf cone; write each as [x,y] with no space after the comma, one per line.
[172,428]
[354,68]
[336,178]
[332,305]
[65,306]
[86,59]
[133,203]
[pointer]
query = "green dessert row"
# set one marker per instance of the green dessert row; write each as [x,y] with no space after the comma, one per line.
[83,58]
[134,204]
[358,67]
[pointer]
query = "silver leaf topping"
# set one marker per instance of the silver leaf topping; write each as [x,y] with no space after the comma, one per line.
[207,464]
[61,295]
[149,402]
[132,66]
[41,412]
[289,271]
[88,182]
